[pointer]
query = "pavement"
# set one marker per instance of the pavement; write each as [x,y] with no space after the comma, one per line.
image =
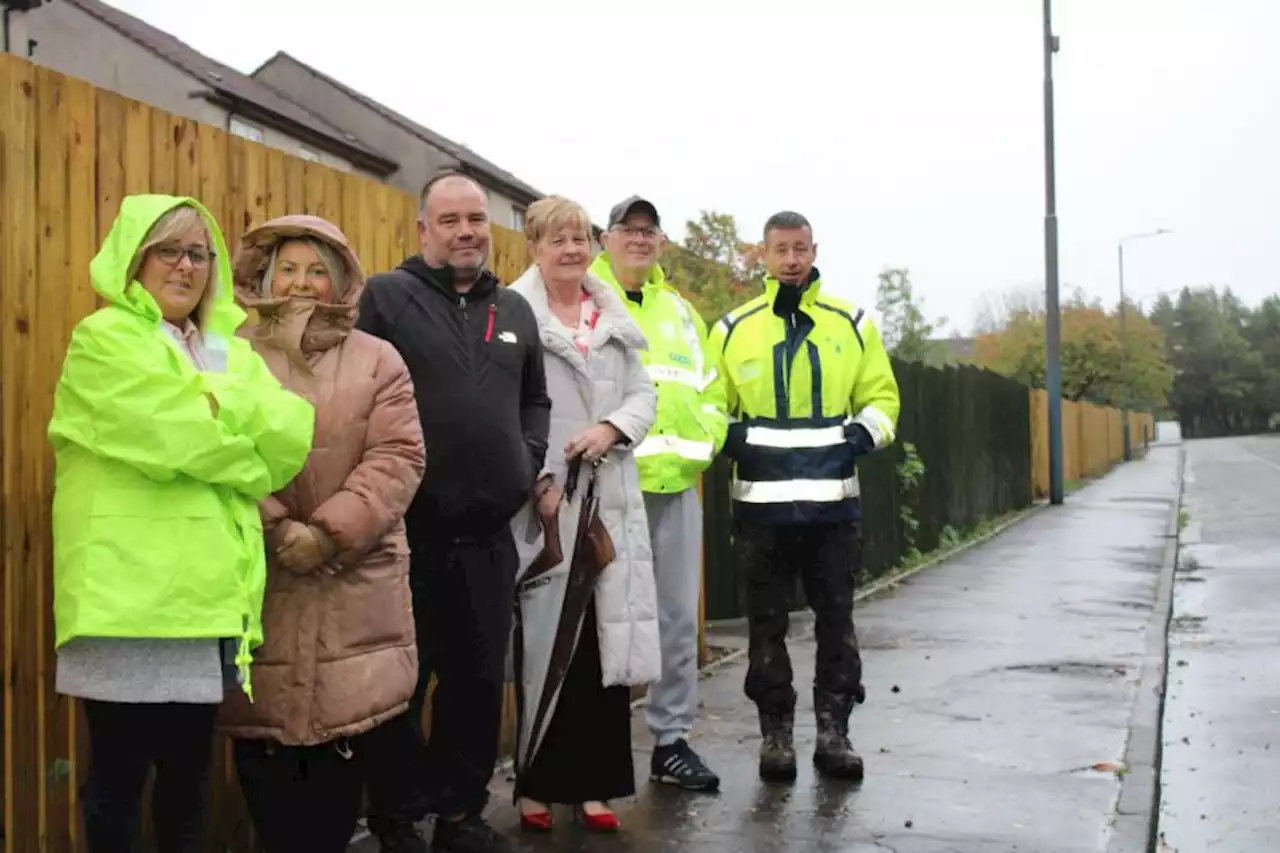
[1221,768]
[1002,687]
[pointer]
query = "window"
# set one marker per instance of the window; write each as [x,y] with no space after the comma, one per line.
[308,154]
[249,131]
[517,219]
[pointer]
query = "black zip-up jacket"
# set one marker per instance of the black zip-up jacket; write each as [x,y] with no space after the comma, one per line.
[476,364]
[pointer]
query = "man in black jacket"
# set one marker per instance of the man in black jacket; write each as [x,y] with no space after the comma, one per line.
[474,352]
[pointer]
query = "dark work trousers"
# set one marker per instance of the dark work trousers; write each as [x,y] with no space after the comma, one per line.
[464,591]
[826,559]
[125,741]
[308,797]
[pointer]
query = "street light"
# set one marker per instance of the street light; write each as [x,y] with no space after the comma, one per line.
[1053,319]
[1124,338]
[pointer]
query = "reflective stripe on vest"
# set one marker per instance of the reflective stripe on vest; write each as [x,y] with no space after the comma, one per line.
[696,451]
[790,491]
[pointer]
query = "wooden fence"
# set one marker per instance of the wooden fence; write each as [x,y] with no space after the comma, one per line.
[68,153]
[1092,439]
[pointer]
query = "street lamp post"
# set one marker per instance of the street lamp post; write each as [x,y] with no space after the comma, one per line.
[1124,339]
[1053,319]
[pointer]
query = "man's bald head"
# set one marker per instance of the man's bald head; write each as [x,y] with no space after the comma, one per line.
[453,226]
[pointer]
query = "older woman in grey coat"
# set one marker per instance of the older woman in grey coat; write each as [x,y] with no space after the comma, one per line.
[603,404]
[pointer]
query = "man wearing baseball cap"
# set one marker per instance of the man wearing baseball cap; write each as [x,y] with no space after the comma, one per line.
[688,432]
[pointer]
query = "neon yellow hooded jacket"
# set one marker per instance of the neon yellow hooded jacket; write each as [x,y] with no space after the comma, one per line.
[691,423]
[156,529]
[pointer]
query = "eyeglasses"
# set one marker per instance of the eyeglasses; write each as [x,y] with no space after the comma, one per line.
[172,255]
[630,231]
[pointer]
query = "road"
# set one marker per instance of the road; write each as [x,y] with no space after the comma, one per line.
[1221,767]
[1001,690]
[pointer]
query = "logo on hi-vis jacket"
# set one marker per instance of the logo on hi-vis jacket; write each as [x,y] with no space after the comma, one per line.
[680,359]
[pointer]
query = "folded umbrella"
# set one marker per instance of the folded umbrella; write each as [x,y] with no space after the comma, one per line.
[550,607]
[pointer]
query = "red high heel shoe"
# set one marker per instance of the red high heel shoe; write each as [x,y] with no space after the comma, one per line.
[601,822]
[536,821]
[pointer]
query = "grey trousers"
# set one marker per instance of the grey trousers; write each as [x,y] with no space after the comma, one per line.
[675,532]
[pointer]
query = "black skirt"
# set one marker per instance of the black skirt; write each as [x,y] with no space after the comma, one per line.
[586,753]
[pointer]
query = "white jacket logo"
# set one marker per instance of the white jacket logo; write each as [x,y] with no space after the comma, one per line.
[507,337]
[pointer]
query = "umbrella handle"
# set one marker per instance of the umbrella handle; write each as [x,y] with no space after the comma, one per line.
[573,474]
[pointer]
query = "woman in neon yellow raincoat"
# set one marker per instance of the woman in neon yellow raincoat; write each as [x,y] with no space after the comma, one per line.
[167,430]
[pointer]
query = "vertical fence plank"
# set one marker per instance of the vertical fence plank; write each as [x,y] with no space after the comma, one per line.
[186,156]
[255,186]
[276,206]
[313,189]
[295,198]
[332,195]
[52,276]
[21,492]
[355,215]
[382,251]
[163,154]
[83,206]
[137,148]
[237,194]
[211,185]
[109,166]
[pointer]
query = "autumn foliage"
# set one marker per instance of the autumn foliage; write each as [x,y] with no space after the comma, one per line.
[714,267]
[1093,354]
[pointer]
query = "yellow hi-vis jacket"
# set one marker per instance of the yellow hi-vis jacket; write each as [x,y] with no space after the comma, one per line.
[795,385]
[691,422]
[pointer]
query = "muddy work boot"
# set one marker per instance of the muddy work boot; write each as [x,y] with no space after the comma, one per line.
[834,755]
[778,751]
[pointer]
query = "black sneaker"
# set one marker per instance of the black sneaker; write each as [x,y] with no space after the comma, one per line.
[679,765]
[401,838]
[469,835]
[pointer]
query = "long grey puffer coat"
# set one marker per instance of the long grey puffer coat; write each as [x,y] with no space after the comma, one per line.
[611,385]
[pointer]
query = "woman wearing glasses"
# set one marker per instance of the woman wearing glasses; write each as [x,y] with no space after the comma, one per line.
[167,430]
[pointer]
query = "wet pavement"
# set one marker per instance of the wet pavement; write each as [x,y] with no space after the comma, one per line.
[1221,768]
[1000,689]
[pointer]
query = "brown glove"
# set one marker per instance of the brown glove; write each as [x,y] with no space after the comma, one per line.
[304,548]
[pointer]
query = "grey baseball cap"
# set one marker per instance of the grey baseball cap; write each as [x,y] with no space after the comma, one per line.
[633,204]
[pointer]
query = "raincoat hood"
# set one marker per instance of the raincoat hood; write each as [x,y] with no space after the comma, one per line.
[302,328]
[109,269]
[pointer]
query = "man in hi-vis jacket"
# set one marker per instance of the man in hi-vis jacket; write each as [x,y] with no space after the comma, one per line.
[809,382]
[685,437]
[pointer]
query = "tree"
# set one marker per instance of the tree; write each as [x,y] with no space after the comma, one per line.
[1092,352]
[715,267]
[1227,361]
[907,333]
[994,310]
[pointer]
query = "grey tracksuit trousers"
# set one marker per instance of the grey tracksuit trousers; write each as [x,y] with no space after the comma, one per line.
[675,531]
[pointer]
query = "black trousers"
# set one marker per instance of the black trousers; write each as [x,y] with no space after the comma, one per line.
[125,741]
[308,797]
[464,592]
[826,559]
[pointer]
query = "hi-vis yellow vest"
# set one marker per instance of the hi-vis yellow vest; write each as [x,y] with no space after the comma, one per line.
[690,426]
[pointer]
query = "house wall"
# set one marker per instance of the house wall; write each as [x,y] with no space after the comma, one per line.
[75,43]
[418,159]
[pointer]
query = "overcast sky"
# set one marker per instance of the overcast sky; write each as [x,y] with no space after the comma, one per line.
[910,132]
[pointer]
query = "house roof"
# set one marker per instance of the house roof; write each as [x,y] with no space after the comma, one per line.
[244,94]
[478,167]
